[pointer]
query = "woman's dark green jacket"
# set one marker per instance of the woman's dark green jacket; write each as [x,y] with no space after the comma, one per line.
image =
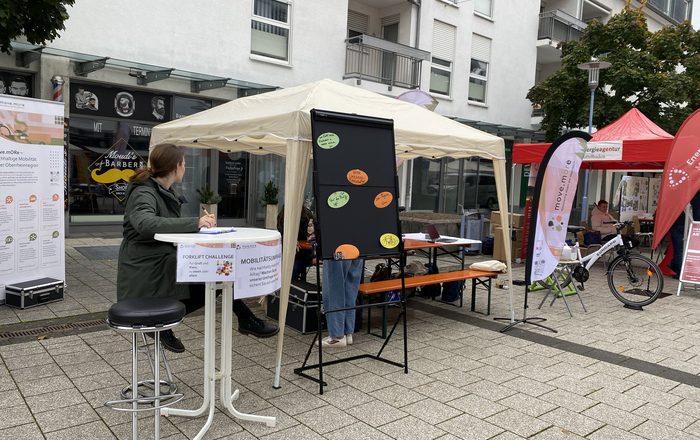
[148,267]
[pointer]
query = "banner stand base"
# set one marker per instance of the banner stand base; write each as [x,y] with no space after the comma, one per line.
[532,321]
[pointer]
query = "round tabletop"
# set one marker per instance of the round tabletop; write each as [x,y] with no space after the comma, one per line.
[240,235]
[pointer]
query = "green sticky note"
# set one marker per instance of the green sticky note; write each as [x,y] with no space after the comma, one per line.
[338,199]
[328,141]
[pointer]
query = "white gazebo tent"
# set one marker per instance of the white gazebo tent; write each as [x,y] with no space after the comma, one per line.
[279,122]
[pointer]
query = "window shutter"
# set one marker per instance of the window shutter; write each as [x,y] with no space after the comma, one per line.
[481,48]
[391,19]
[358,22]
[443,41]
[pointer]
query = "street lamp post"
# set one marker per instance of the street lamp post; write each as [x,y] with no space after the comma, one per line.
[593,68]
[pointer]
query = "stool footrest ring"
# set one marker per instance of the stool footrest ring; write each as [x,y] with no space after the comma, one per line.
[150,385]
[112,404]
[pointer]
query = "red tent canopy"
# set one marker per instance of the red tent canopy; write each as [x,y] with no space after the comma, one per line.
[644,145]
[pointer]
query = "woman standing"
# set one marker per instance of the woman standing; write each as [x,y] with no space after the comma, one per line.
[147,267]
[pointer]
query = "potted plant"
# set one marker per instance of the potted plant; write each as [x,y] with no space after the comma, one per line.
[269,200]
[208,200]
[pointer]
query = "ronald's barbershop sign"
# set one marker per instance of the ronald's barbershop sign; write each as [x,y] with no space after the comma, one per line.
[115,167]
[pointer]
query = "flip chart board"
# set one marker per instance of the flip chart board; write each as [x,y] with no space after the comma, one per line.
[355,185]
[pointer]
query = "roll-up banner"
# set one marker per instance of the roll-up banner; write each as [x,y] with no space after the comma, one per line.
[32,242]
[555,190]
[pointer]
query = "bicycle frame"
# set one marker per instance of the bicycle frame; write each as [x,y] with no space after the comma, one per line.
[592,258]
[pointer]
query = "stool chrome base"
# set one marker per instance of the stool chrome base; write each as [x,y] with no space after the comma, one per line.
[155,402]
[146,388]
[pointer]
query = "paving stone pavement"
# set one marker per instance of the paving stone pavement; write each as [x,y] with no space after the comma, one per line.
[610,373]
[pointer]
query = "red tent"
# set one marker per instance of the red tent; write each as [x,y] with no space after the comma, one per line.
[637,142]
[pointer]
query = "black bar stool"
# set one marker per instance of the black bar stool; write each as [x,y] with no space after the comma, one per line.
[139,315]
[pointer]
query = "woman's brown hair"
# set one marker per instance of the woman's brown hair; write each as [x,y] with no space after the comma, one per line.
[163,160]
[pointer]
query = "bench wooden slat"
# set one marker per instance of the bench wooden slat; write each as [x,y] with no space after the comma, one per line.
[423,280]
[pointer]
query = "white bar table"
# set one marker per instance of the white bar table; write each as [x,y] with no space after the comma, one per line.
[241,235]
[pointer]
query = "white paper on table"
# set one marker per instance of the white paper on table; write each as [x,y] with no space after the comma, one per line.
[203,262]
[216,230]
[258,268]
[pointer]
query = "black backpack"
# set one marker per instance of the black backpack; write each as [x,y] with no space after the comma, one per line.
[451,289]
[431,290]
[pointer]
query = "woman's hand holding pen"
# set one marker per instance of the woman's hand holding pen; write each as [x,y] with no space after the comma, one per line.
[207,220]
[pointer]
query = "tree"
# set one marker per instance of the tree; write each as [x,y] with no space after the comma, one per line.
[657,73]
[37,20]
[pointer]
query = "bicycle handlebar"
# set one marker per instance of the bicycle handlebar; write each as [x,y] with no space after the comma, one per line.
[622,225]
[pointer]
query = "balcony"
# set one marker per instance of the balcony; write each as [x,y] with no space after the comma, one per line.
[556,27]
[377,60]
[559,26]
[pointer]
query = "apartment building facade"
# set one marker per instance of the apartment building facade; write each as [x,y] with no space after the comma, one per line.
[123,67]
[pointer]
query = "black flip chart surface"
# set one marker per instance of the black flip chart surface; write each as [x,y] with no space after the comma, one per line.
[355,184]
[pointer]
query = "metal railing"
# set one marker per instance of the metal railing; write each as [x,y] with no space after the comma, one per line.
[378,60]
[559,26]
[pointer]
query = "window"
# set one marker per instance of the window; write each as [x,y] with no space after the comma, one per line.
[358,24]
[675,9]
[443,54]
[483,7]
[270,29]
[440,74]
[479,68]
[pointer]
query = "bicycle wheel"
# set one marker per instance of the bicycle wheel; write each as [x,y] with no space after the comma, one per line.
[635,280]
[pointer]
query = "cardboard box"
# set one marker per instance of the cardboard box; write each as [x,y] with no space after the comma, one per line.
[499,250]
[518,219]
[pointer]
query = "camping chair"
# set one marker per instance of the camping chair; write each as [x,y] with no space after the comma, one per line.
[638,231]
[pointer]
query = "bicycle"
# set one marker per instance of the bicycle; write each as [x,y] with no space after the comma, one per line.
[634,279]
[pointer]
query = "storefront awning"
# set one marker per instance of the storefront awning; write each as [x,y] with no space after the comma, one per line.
[145,73]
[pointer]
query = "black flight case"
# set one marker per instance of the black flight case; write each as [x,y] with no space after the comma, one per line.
[32,293]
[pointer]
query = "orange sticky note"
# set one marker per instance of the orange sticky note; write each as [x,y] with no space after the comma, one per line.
[383,199]
[349,251]
[357,177]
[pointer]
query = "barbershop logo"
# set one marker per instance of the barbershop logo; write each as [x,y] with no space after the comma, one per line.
[124,104]
[114,168]
[676,177]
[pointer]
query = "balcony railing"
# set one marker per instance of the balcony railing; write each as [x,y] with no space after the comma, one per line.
[382,61]
[559,26]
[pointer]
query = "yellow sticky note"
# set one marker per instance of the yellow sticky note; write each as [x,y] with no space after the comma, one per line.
[389,241]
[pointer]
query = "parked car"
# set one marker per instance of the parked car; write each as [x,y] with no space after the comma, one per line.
[484,193]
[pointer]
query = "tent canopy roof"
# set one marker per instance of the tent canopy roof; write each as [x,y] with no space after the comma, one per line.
[645,145]
[262,124]
[632,126]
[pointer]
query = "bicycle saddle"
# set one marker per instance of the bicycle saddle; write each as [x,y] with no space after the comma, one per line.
[575,229]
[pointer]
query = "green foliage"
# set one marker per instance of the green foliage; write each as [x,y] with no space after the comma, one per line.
[206,196]
[655,72]
[37,20]
[270,195]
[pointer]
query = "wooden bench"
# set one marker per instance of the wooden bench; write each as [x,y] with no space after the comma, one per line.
[424,280]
